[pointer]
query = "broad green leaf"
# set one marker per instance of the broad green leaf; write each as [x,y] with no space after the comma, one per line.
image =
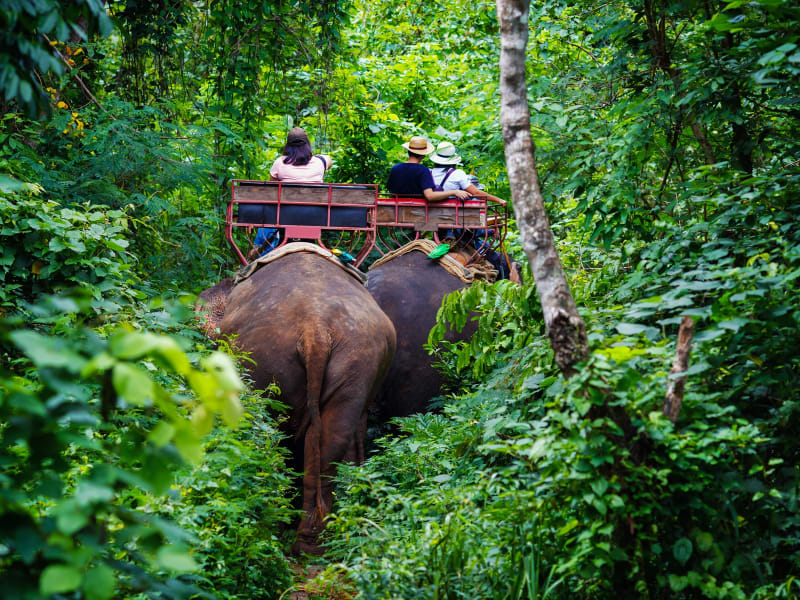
[118,244]
[133,384]
[599,486]
[202,420]
[682,550]
[704,541]
[538,449]
[568,527]
[130,345]
[223,369]
[734,324]
[89,492]
[98,363]
[189,445]
[99,583]
[173,558]
[232,410]
[69,517]
[47,351]
[161,434]
[630,328]
[59,579]
[677,582]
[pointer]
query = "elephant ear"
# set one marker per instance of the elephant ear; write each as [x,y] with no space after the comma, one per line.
[439,251]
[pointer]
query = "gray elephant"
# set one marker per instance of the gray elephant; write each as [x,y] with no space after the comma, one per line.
[410,288]
[316,331]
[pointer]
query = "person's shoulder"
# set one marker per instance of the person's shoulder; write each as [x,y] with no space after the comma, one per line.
[419,167]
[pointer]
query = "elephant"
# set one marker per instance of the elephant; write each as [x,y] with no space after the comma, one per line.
[316,331]
[410,288]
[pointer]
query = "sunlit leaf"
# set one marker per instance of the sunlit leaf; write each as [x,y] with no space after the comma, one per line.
[59,579]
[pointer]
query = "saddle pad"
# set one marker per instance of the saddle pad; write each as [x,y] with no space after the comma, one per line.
[468,274]
[291,248]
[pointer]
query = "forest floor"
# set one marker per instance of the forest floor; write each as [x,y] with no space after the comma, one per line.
[308,584]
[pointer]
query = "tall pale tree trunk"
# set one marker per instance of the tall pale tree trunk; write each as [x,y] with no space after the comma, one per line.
[565,327]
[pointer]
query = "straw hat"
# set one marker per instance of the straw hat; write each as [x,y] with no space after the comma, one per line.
[445,155]
[419,145]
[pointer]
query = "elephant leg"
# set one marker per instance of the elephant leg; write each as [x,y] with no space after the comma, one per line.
[355,453]
[311,523]
[343,422]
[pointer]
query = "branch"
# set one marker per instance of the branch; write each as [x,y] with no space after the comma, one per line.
[563,323]
[78,77]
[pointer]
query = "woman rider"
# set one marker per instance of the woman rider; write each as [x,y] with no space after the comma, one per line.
[297,164]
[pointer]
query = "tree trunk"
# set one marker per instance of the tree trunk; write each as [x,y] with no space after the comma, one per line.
[674,398]
[565,327]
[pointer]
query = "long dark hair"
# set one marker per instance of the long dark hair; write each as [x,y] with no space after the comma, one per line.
[298,155]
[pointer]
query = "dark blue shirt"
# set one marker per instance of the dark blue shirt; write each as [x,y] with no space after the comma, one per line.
[409,179]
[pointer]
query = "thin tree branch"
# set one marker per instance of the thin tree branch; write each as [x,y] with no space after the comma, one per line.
[78,77]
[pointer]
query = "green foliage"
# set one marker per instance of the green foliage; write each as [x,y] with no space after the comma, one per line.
[48,248]
[506,312]
[671,180]
[68,456]
[25,51]
[234,504]
[667,147]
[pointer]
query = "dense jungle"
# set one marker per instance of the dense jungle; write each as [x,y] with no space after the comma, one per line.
[139,459]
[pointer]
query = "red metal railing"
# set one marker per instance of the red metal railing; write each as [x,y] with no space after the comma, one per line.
[303,211]
[306,210]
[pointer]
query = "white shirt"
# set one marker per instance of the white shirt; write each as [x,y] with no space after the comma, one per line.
[458,179]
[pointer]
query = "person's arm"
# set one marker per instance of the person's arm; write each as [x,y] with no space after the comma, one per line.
[473,191]
[273,170]
[432,196]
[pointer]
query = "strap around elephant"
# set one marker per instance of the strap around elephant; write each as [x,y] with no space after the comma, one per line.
[291,248]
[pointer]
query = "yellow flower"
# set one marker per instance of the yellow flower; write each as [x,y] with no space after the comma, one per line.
[62,104]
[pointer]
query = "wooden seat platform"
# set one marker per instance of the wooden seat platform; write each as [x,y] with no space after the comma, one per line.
[421,215]
[302,210]
[305,210]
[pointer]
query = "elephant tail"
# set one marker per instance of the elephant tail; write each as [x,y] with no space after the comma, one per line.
[314,348]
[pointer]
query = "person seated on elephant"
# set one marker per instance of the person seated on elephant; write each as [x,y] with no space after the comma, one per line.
[448,177]
[297,164]
[412,178]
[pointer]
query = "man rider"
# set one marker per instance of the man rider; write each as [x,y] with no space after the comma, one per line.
[412,178]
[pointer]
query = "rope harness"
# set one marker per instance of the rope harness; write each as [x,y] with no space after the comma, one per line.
[291,248]
[480,270]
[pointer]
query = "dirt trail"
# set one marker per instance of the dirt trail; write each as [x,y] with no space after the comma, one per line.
[306,586]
